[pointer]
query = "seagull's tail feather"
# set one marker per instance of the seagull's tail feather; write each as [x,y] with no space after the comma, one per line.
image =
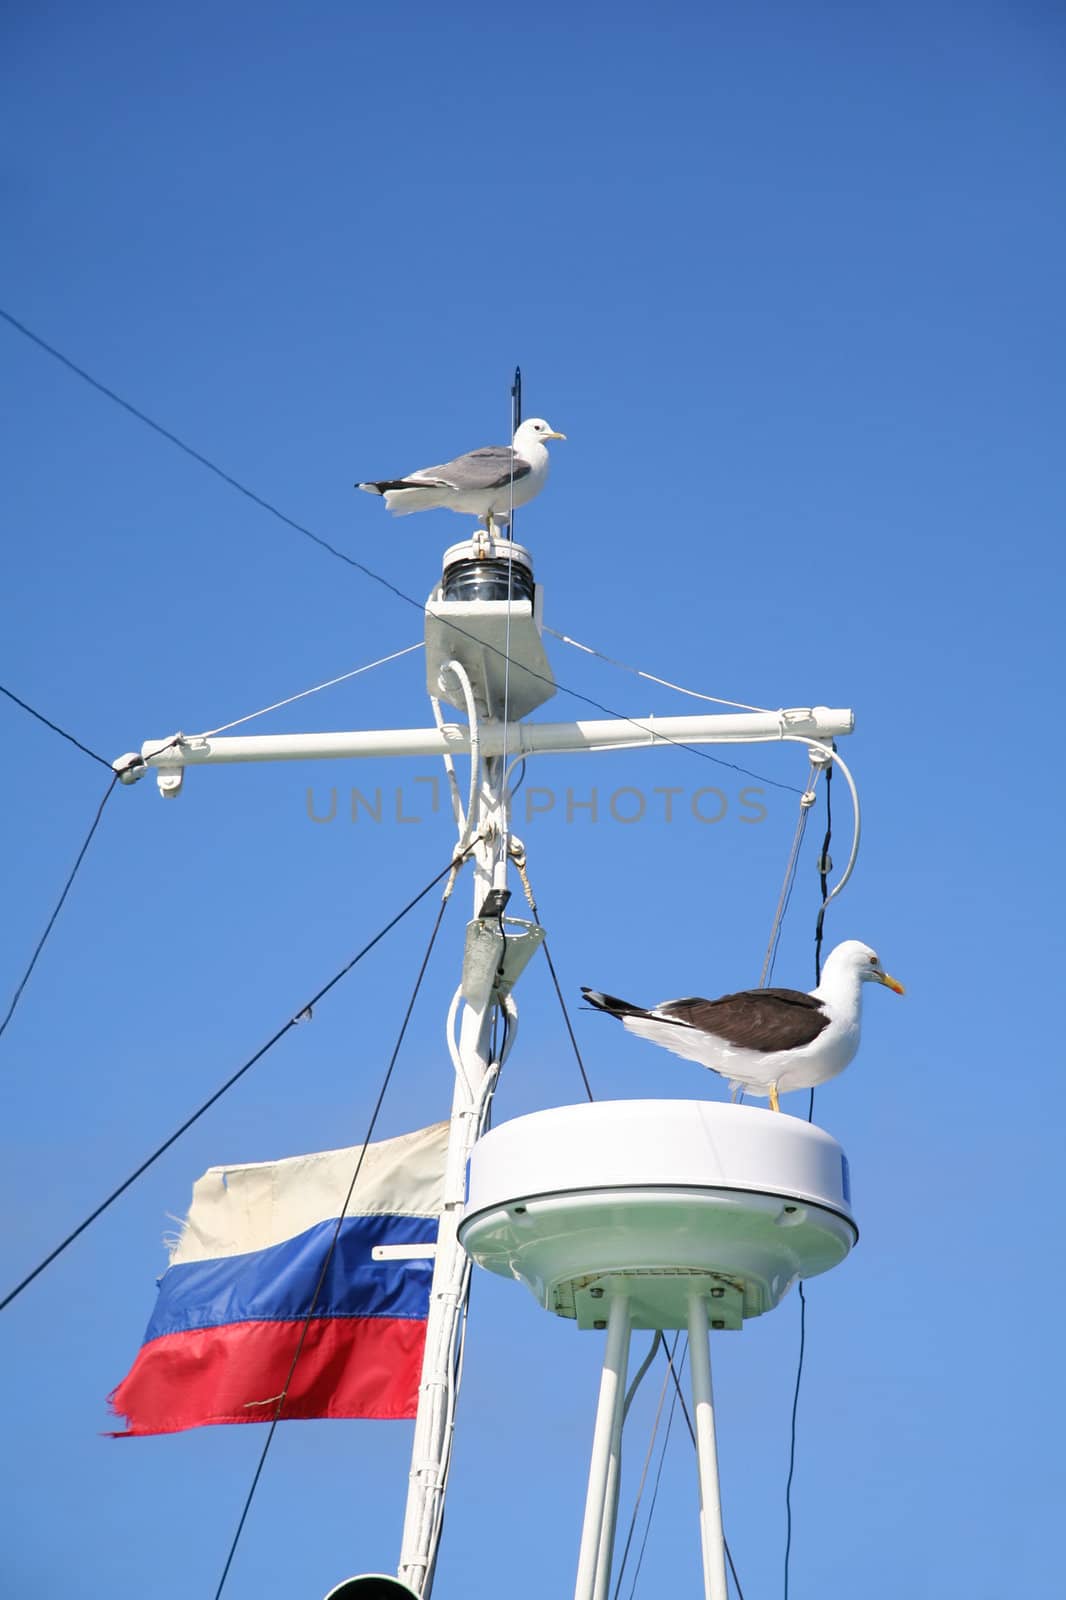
[402,501]
[612,1005]
[404,495]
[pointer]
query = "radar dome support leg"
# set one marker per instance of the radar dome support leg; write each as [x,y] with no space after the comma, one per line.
[598,1528]
[712,1536]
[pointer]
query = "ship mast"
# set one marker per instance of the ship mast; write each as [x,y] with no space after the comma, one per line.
[485,658]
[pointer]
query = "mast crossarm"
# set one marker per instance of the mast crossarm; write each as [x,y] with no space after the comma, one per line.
[514,738]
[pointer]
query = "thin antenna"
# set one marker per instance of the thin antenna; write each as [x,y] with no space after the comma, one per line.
[516,418]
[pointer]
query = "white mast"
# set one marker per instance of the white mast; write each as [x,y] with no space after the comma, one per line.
[484,655]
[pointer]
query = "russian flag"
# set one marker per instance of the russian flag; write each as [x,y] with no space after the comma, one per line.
[242,1275]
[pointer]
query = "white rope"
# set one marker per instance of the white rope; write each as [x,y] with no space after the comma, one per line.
[383,661]
[480,1106]
[449,768]
[459,673]
[829,754]
[694,694]
[806,802]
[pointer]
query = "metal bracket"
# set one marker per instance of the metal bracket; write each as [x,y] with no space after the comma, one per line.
[129,768]
[495,903]
[586,1298]
[494,962]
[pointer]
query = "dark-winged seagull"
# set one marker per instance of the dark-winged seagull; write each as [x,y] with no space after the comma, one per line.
[766,1041]
[484,483]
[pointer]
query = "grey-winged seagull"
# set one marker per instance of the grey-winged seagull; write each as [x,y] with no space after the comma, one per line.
[484,483]
[765,1041]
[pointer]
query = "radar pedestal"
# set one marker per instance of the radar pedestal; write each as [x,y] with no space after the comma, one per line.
[626,1214]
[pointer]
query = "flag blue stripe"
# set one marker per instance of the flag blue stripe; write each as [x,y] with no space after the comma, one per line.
[278,1284]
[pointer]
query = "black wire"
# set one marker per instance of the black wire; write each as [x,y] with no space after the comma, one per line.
[562,1002]
[823,873]
[516,419]
[207,1104]
[792,1444]
[283,1396]
[62,732]
[368,572]
[17,996]
[566,1019]
[823,877]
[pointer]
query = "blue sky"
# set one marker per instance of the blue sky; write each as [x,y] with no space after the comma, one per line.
[789,278]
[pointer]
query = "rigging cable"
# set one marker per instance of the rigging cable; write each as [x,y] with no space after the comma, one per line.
[280,1399]
[518,855]
[638,672]
[383,661]
[824,868]
[806,802]
[645,728]
[297,1017]
[17,996]
[62,732]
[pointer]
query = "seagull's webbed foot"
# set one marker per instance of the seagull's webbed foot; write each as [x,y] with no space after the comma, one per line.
[775,1104]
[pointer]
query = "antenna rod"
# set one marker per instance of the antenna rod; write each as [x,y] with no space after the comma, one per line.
[516,418]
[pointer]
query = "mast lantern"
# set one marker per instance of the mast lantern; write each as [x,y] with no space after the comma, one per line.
[488,568]
[497,640]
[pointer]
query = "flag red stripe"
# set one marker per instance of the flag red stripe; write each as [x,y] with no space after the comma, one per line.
[348,1367]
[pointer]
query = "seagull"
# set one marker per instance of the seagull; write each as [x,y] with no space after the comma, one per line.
[765,1040]
[484,483]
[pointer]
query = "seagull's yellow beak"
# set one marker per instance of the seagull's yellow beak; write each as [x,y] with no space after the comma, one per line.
[554,435]
[891,983]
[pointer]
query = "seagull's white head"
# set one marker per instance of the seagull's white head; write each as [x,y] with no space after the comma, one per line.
[535,431]
[855,958]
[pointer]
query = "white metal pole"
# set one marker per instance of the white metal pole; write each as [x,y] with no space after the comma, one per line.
[712,1535]
[610,1503]
[514,738]
[608,1418]
[435,1419]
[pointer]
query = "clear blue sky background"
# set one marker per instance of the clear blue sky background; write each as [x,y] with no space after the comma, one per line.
[790,278]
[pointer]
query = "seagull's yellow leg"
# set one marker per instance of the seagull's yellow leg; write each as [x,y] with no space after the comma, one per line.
[775,1104]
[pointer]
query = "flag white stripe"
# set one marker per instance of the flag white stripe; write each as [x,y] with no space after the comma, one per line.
[252,1206]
